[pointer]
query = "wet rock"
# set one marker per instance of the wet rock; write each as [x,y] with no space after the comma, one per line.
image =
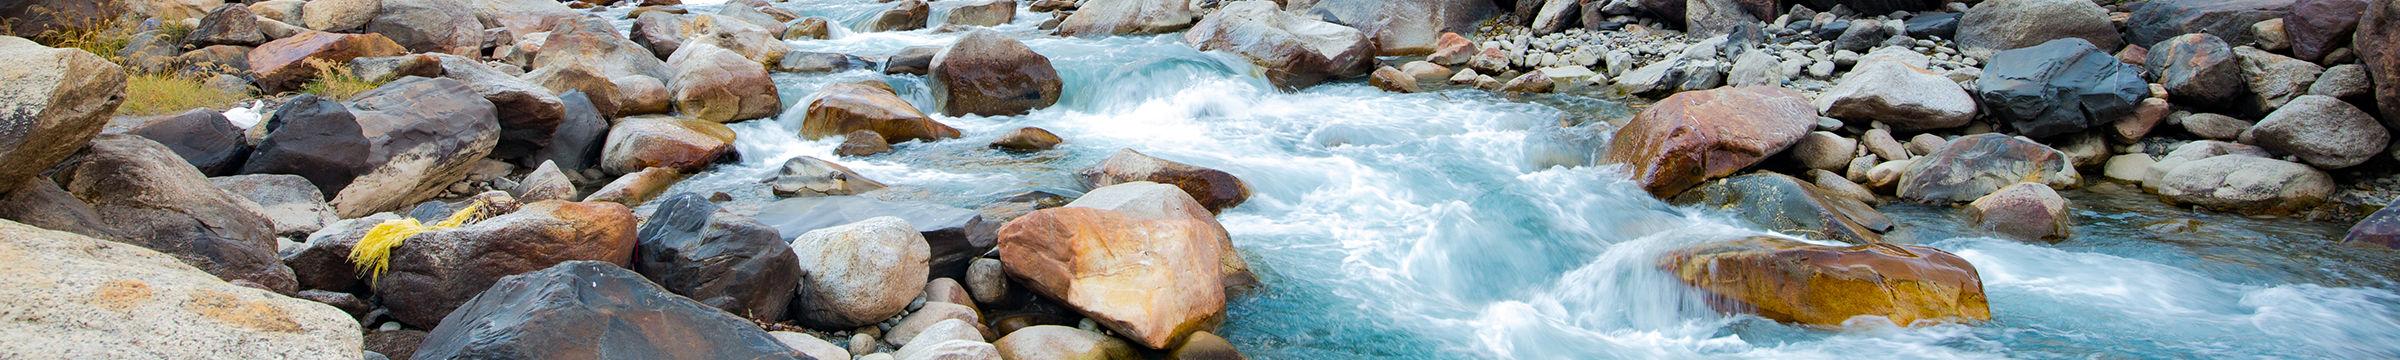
[528,113]
[429,26]
[808,176]
[577,143]
[1786,204]
[1821,285]
[1691,137]
[1128,17]
[1976,165]
[904,15]
[689,247]
[292,206]
[863,143]
[817,62]
[1404,27]
[859,273]
[2244,184]
[2316,27]
[2025,211]
[152,199]
[202,137]
[1215,189]
[2157,21]
[844,108]
[1060,342]
[1391,79]
[984,13]
[1835,184]
[1423,71]
[433,273]
[2378,45]
[76,295]
[1149,274]
[1296,51]
[1996,26]
[990,74]
[2321,131]
[558,312]
[811,28]
[2059,87]
[636,188]
[338,15]
[2381,228]
[810,346]
[1027,139]
[60,100]
[1907,97]
[1452,50]
[716,85]
[227,25]
[644,142]
[2197,69]
[955,235]
[915,60]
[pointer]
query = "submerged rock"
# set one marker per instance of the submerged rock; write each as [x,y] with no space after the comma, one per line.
[1694,136]
[1819,285]
[592,310]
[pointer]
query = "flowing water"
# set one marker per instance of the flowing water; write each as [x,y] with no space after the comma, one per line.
[1460,224]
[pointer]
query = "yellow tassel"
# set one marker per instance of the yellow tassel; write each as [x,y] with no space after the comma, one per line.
[373,253]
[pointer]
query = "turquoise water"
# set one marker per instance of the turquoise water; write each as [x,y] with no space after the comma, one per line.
[1464,225]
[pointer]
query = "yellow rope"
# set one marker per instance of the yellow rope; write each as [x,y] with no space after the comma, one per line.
[373,253]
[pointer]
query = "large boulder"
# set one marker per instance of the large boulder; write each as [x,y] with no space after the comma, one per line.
[1127,17]
[202,137]
[1405,27]
[2316,27]
[2059,87]
[1904,96]
[847,107]
[954,236]
[2381,228]
[434,273]
[2321,131]
[2197,69]
[2156,21]
[986,73]
[443,26]
[2025,211]
[589,55]
[58,99]
[1215,189]
[1152,276]
[1975,165]
[392,147]
[528,113]
[1996,26]
[692,248]
[592,310]
[1820,285]
[1699,135]
[716,85]
[151,198]
[292,206]
[2242,183]
[859,273]
[1295,51]
[284,64]
[2378,44]
[649,141]
[74,296]
[1167,202]
[1789,205]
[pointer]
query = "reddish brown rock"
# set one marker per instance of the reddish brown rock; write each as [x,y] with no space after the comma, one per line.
[1821,285]
[1699,135]
[2378,44]
[433,273]
[990,74]
[644,142]
[2316,27]
[844,108]
[283,64]
[2025,211]
[1215,189]
[1975,165]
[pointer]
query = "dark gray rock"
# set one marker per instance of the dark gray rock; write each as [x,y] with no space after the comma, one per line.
[2059,87]
[592,310]
[731,262]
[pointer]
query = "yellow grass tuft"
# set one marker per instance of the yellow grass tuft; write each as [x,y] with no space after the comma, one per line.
[373,254]
[164,94]
[336,81]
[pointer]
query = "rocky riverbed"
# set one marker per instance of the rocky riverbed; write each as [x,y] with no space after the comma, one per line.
[1109,179]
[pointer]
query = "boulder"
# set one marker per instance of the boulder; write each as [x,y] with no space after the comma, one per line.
[1424,71]
[144,193]
[202,137]
[75,296]
[1789,205]
[847,107]
[667,34]
[2212,126]
[576,145]
[913,60]
[2378,45]
[1295,51]
[715,85]
[2157,21]
[2317,27]
[808,176]
[425,26]
[1027,139]
[2321,131]
[1936,24]
[545,182]
[690,247]
[338,15]
[1060,342]
[2193,151]
[1995,26]
[986,73]
[322,262]
[41,203]
[387,68]
[811,28]
[817,62]
[589,55]
[862,143]
[1862,36]
[2198,69]
[637,188]
[528,113]
[1975,165]
[232,24]
[1824,150]
[434,273]
[2059,87]
[1694,136]
[1215,189]
[31,18]
[1707,18]
[292,205]
[983,13]
[2025,211]
[1532,82]
[2381,228]
[284,64]
[590,309]
[1554,16]
[1150,274]
[954,235]
[1452,50]
[932,313]
[649,141]
[904,15]
[2349,82]
[859,273]
[2243,184]
[1127,17]
[1906,97]
[393,146]
[1824,286]
[58,99]
[810,346]
[1405,27]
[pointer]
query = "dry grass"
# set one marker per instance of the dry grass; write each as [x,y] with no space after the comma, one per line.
[100,35]
[373,253]
[164,94]
[336,81]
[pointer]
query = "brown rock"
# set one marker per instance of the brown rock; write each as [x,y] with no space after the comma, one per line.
[863,143]
[643,142]
[1976,165]
[1824,286]
[58,99]
[1027,139]
[990,74]
[1215,189]
[2378,44]
[2316,27]
[2025,211]
[1391,79]
[848,107]
[283,64]
[636,188]
[1699,135]
[435,272]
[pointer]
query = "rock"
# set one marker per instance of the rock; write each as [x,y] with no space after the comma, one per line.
[986,282]
[528,113]
[914,60]
[1558,15]
[816,62]
[1824,150]
[933,312]
[1205,345]
[1452,50]
[1786,204]
[227,25]
[59,99]
[1027,139]
[712,84]
[388,68]
[847,107]
[2156,21]
[202,137]
[2348,82]
[690,247]
[2197,68]
[1151,274]
[860,273]
[577,143]
[808,176]
[2146,117]
[990,74]
[810,346]
[904,15]
[2086,150]
[2128,167]
[985,13]
[2316,27]
[292,205]
[1906,97]
[2062,86]
[558,311]
[441,123]
[1214,189]
[946,291]
[1404,27]
[636,188]
[1391,79]
[1940,24]
[1695,136]
[1926,144]
[41,203]
[338,15]
[2214,126]
[1532,82]
[2378,229]
[1834,184]
[2269,35]
[1862,36]
[2001,25]
[429,26]
[141,191]
[1821,285]
[36,17]
[1296,51]
[2321,131]
[589,55]
[644,142]
[113,300]
[955,235]
[545,182]
[433,273]
[1060,342]
[1756,68]
[1976,165]
[2378,45]
[283,64]
[1881,143]
[953,349]
[2025,211]
[863,143]
[811,28]
[1128,17]
[2193,151]
[2244,184]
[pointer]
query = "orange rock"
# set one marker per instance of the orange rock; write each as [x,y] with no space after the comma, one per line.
[282,65]
[1819,285]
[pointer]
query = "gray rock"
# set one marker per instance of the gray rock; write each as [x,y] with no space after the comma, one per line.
[153,199]
[2346,81]
[290,203]
[2000,25]
[860,273]
[1907,97]
[76,295]
[2275,79]
[2322,131]
[2244,184]
[1824,150]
